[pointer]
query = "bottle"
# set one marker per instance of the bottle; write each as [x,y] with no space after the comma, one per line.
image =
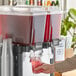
[48,3]
[31,2]
[53,3]
[57,3]
[27,2]
[43,2]
[39,2]
[35,2]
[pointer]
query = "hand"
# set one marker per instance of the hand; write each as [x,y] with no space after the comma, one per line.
[47,68]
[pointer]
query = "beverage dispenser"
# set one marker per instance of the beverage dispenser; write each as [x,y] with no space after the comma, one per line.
[32,31]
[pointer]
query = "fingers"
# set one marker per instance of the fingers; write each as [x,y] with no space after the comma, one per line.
[38,71]
[45,68]
[38,68]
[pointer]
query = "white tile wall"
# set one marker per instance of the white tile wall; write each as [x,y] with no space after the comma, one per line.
[71,4]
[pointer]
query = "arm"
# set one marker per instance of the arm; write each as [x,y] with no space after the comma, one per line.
[67,65]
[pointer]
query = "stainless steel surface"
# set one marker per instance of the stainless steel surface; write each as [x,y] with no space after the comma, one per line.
[11,73]
[0,53]
[4,60]
[0,57]
[7,59]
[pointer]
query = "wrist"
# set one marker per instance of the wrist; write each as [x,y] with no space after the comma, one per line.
[53,68]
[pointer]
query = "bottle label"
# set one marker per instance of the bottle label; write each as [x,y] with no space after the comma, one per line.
[48,3]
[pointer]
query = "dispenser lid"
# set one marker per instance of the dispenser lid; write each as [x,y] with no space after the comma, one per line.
[29,10]
[23,11]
